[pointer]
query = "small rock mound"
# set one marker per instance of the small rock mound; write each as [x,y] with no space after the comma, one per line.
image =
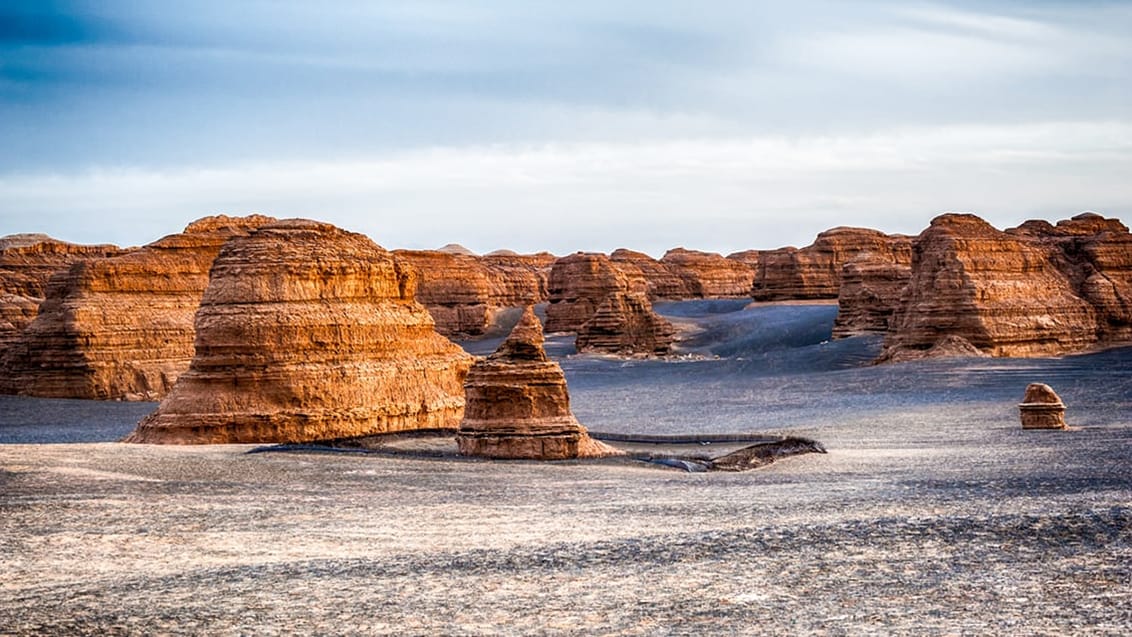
[1042,408]
[517,405]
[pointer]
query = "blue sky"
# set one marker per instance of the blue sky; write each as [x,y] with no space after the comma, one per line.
[562,126]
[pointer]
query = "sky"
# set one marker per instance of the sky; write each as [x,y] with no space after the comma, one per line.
[561,126]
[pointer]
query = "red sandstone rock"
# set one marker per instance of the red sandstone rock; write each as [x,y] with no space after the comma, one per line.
[578,285]
[999,292]
[662,281]
[814,272]
[518,406]
[709,275]
[120,327]
[626,324]
[871,286]
[464,293]
[27,263]
[1042,408]
[309,332]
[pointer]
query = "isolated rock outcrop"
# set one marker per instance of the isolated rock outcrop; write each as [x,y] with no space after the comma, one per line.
[120,327]
[871,287]
[578,284]
[626,324]
[814,272]
[1041,408]
[709,275]
[309,332]
[518,405]
[999,292]
[27,263]
[464,293]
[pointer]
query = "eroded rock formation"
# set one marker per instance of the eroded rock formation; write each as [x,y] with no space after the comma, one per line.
[871,287]
[626,324]
[999,292]
[464,293]
[309,332]
[578,284]
[27,263]
[1041,408]
[814,272]
[120,327]
[518,406]
[661,281]
[708,275]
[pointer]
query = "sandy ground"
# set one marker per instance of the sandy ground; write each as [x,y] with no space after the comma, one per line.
[928,524]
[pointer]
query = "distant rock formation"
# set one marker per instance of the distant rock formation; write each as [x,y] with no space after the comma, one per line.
[1041,408]
[27,263]
[709,275]
[814,272]
[308,332]
[578,284]
[120,327]
[518,406]
[1000,292]
[662,281]
[871,286]
[464,293]
[626,324]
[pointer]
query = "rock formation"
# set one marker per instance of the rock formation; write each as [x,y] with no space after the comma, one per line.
[120,327]
[464,292]
[871,286]
[1000,293]
[662,281]
[1042,408]
[27,262]
[709,275]
[578,284]
[518,406]
[814,272]
[626,324]
[309,332]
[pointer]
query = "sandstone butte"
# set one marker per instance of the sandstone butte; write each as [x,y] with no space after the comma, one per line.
[814,272]
[518,406]
[578,284]
[27,262]
[1038,290]
[464,293]
[710,275]
[120,327]
[625,324]
[662,282]
[871,286]
[308,332]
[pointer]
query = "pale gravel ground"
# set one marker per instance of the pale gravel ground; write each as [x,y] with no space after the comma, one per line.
[969,528]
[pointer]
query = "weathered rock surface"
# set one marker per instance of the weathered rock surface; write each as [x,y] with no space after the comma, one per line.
[579,284]
[999,292]
[626,324]
[120,327]
[662,281]
[871,286]
[27,263]
[1041,408]
[464,293]
[518,405]
[309,332]
[709,275]
[814,272]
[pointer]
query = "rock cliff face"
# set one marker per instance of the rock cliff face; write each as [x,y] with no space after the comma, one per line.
[871,286]
[1000,293]
[709,275]
[309,332]
[518,406]
[814,272]
[578,284]
[662,281]
[120,327]
[626,324]
[463,292]
[27,262]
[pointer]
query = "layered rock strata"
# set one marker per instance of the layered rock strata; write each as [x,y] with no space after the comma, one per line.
[1000,293]
[27,263]
[662,281]
[1041,408]
[625,324]
[871,287]
[709,275]
[308,332]
[814,272]
[578,285]
[120,327]
[464,293]
[518,406]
